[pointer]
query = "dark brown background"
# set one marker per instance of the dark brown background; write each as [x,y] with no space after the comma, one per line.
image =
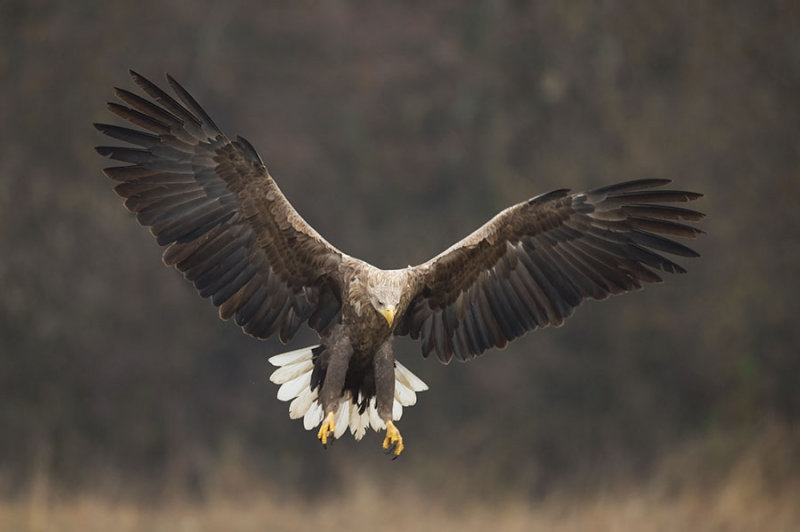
[395,130]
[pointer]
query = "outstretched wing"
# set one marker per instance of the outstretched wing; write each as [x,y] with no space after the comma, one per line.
[229,228]
[533,263]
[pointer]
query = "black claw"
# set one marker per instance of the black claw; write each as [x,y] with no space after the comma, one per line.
[390,449]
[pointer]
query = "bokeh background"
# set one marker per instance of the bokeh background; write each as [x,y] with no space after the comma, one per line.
[395,129]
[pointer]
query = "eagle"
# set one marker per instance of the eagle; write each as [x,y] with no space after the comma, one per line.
[232,233]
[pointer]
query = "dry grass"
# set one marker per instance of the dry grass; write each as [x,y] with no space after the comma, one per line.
[759,490]
[735,506]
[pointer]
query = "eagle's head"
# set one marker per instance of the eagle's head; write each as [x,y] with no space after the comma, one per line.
[385,289]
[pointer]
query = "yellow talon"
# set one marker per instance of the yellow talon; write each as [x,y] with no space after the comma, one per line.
[327,429]
[393,440]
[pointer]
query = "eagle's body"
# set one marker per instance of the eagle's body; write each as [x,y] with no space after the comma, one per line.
[234,235]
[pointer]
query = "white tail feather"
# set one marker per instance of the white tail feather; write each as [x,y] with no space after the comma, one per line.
[375,420]
[397,410]
[286,373]
[403,394]
[342,419]
[313,417]
[302,403]
[294,387]
[402,374]
[294,376]
[291,357]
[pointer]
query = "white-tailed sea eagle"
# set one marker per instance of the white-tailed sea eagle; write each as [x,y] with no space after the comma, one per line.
[232,233]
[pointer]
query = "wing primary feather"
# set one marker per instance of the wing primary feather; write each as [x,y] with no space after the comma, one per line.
[131,136]
[165,99]
[149,109]
[630,185]
[274,321]
[665,212]
[140,119]
[651,196]
[592,267]
[216,278]
[441,341]
[489,321]
[555,276]
[525,297]
[219,244]
[538,297]
[291,323]
[607,265]
[503,317]
[549,296]
[192,104]
[172,210]
[481,330]
[582,284]
[168,226]
[127,155]
[245,313]
[495,308]
[327,308]
[136,174]
[664,227]
[185,256]
[460,348]
[610,243]
[512,302]
[227,291]
[199,226]
[661,243]
[561,293]
[157,205]
[472,341]
[427,336]
[229,307]
[143,194]
[259,322]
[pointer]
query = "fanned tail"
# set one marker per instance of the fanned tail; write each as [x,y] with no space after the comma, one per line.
[294,377]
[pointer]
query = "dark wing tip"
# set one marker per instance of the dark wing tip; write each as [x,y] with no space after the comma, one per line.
[135,76]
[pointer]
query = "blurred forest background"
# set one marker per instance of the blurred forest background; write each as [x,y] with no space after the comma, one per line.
[396,129]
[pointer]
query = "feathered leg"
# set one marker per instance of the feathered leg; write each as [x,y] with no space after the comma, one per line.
[337,355]
[384,396]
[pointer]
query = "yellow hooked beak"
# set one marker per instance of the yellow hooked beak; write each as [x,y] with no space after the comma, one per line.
[388,312]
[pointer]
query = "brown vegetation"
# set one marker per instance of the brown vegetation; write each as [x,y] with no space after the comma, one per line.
[758,491]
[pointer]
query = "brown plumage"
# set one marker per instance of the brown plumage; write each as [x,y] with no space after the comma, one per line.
[233,234]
